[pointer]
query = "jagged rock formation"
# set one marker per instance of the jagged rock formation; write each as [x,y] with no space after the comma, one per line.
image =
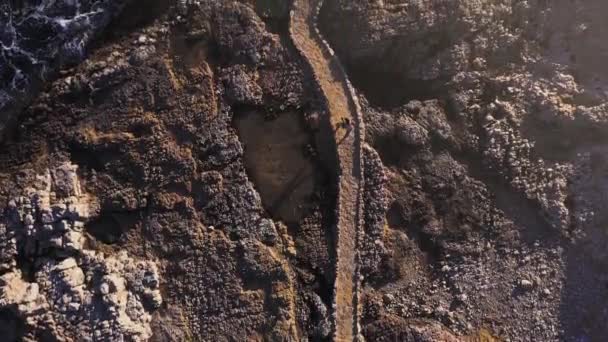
[56,285]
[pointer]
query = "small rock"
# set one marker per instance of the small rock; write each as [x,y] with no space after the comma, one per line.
[268,232]
[388,298]
[66,264]
[440,311]
[104,288]
[155,298]
[29,219]
[526,284]
[56,242]
[73,306]
[141,54]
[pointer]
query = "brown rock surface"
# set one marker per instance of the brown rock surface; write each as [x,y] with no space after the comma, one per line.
[199,175]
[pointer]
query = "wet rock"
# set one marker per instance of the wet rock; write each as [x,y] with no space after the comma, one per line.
[29,57]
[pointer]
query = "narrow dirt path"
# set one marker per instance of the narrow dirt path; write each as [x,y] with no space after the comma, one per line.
[343,107]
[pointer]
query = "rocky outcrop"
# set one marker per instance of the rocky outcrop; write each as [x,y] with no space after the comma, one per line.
[48,218]
[55,284]
[485,113]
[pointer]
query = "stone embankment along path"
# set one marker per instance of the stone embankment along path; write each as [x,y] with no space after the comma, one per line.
[342,107]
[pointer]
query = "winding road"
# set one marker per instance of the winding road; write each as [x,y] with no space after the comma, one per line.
[342,105]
